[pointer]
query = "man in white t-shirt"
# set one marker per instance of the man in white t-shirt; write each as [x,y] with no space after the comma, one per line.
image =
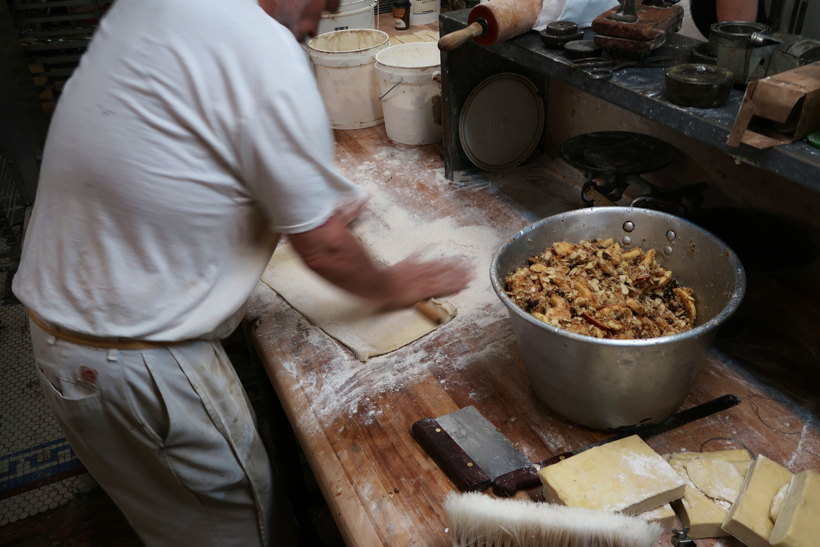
[190,136]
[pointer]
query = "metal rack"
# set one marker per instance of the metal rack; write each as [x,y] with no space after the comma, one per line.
[53,35]
[12,222]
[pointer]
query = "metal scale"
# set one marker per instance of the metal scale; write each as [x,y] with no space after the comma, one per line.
[612,161]
[636,28]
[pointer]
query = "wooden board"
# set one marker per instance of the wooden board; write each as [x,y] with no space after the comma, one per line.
[353,419]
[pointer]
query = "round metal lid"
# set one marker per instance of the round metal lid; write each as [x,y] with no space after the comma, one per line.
[501,122]
[617,153]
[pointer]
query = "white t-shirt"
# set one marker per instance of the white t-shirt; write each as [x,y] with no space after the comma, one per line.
[191,135]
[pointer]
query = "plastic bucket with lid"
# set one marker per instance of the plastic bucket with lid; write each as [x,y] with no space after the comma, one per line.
[408,81]
[344,61]
[351,15]
[424,12]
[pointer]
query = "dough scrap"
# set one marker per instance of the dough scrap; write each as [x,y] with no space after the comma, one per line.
[777,502]
[357,323]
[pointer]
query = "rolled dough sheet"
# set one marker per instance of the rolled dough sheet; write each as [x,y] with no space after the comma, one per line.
[353,321]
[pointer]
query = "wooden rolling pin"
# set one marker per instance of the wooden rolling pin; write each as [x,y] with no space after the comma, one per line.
[432,312]
[494,21]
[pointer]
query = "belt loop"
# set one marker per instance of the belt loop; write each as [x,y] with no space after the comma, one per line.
[113,355]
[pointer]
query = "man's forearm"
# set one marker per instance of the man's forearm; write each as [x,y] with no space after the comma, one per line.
[334,253]
[736,10]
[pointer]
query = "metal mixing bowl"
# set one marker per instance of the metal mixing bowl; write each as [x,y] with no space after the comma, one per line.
[618,383]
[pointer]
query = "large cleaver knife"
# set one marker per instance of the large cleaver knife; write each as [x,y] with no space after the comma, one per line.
[468,448]
[475,455]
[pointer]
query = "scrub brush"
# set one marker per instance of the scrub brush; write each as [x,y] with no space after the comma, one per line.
[477,520]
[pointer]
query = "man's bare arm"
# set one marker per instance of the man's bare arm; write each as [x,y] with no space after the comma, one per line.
[334,252]
[736,10]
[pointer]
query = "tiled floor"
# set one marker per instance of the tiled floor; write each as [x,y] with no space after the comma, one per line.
[38,470]
[47,497]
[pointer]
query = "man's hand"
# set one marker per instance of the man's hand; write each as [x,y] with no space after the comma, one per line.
[333,252]
[413,281]
[350,210]
[736,10]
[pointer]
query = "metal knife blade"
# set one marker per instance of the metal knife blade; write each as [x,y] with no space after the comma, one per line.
[468,448]
[479,438]
[527,477]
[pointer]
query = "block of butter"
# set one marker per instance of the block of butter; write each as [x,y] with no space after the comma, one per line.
[663,515]
[625,475]
[748,519]
[713,480]
[739,457]
[798,522]
[700,514]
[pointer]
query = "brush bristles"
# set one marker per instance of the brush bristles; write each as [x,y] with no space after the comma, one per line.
[477,520]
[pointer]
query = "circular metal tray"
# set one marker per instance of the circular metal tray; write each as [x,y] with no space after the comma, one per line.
[501,122]
[617,153]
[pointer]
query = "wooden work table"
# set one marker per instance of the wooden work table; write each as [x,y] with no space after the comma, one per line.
[353,419]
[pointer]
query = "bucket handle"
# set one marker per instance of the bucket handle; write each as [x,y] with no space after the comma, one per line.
[436,76]
[394,86]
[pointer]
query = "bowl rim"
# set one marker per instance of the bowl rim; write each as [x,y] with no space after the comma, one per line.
[735,298]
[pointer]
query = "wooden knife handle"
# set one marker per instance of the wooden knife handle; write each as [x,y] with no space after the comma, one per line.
[514,481]
[524,478]
[449,42]
[455,463]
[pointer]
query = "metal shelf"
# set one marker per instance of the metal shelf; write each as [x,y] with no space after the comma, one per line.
[638,90]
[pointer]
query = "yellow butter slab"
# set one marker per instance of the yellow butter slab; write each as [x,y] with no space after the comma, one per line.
[719,480]
[625,475]
[695,510]
[730,455]
[700,514]
[748,519]
[798,522]
[739,457]
[714,480]
[663,515]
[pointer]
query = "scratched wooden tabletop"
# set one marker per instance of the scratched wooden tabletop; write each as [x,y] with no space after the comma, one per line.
[353,418]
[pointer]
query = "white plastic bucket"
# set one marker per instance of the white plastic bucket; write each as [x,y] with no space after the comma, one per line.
[345,5]
[344,65]
[424,12]
[408,82]
[352,15]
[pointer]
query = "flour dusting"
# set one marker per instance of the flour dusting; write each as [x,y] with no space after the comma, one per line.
[391,232]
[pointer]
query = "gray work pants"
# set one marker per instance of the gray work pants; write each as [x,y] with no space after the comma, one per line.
[169,435]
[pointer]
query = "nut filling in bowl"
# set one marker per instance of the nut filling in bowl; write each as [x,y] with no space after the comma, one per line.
[614,382]
[600,289]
